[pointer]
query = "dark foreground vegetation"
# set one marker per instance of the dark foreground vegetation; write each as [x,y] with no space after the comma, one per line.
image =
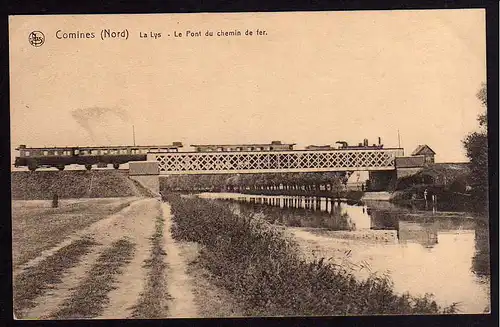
[263,269]
[43,185]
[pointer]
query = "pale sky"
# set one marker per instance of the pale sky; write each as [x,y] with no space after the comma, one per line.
[315,78]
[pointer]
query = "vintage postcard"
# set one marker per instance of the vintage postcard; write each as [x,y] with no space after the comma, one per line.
[249,164]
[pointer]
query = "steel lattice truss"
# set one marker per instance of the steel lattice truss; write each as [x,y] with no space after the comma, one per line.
[275,162]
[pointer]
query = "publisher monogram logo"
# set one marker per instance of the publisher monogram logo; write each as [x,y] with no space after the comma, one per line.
[36,38]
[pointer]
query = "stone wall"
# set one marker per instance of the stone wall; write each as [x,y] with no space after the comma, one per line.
[143,168]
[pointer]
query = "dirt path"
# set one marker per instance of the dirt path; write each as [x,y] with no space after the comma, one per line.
[179,284]
[55,297]
[135,223]
[158,277]
[138,228]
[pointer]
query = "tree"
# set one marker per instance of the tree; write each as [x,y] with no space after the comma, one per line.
[476,147]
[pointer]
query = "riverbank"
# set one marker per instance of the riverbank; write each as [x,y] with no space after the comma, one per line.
[263,269]
[382,236]
[445,199]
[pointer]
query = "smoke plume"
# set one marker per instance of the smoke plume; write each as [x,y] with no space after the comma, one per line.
[101,123]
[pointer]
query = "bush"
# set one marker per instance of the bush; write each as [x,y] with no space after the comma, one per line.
[263,268]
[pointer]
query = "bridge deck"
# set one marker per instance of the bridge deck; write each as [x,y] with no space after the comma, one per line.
[275,161]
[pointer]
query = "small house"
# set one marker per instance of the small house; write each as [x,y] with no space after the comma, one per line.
[426,151]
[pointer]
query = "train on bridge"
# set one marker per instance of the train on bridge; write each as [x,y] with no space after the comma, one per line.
[103,156]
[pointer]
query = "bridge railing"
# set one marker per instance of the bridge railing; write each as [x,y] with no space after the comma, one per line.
[275,161]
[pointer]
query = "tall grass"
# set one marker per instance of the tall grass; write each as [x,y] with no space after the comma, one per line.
[265,272]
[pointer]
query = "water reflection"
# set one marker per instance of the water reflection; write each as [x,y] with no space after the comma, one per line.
[295,212]
[411,224]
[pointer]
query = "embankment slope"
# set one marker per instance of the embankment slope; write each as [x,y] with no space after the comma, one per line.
[42,185]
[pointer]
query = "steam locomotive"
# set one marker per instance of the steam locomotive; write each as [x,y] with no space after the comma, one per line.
[343,145]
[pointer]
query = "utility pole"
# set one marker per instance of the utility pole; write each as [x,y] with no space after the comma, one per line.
[133,133]
[399,140]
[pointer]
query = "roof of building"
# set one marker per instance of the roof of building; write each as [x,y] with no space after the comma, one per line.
[422,149]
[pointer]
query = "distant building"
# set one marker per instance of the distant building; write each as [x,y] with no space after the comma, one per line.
[273,146]
[421,157]
[407,166]
[426,151]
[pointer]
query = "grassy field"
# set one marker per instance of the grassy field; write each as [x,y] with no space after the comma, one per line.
[37,227]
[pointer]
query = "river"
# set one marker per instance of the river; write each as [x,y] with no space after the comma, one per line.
[422,250]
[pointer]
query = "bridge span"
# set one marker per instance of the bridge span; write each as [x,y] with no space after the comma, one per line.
[247,162]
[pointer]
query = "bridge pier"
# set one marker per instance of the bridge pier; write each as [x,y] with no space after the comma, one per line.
[380,180]
[147,174]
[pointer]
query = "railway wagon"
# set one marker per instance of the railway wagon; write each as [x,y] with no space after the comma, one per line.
[60,157]
[273,146]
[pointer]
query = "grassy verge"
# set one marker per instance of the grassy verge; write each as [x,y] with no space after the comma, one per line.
[151,303]
[34,281]
[91,295]
[264,270]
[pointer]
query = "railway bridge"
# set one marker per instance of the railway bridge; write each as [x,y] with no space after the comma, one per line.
[380,163]
[275,161]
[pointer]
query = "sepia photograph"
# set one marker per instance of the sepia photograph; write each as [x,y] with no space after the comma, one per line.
[221,165]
